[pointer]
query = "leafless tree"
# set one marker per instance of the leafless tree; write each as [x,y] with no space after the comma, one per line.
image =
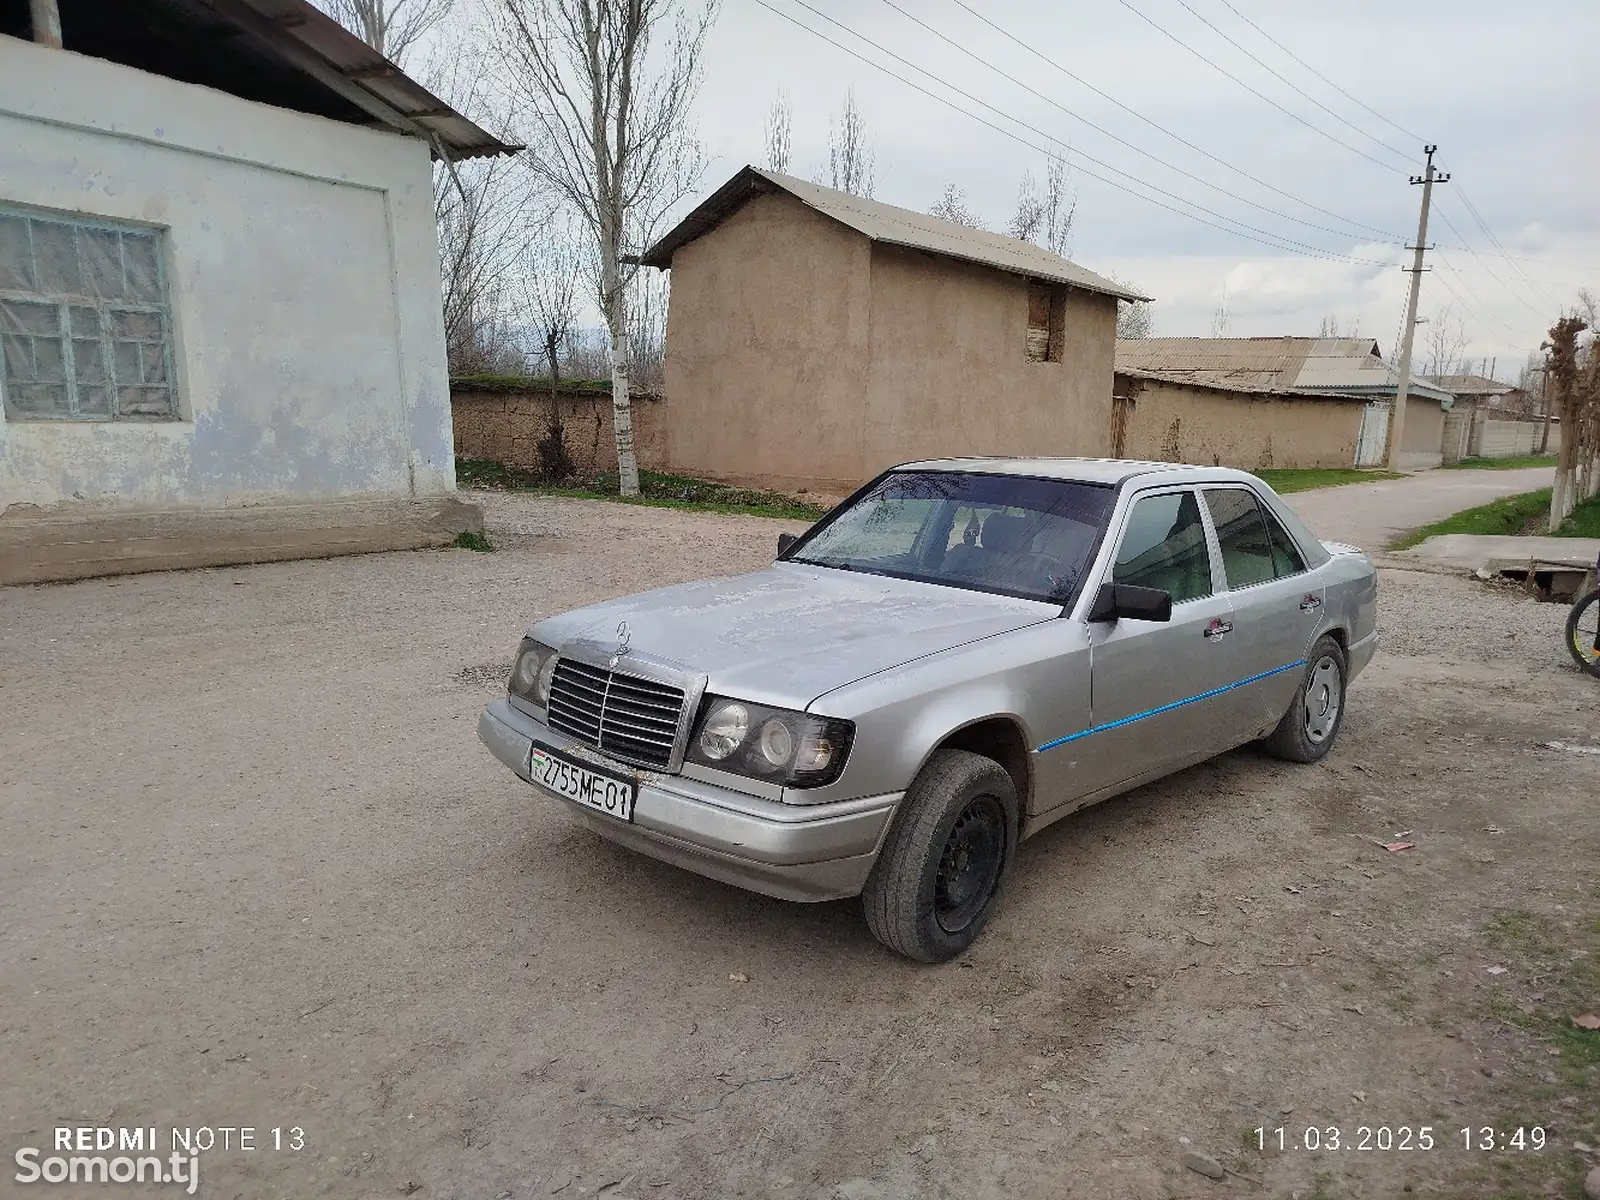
[551,275]
[391,27]
[1445,344]
[1045,215]
[486,215]
[647,329]
[606,86]
[1221,316]
[1135,320]
[850,155]
[952,206]
[780,117]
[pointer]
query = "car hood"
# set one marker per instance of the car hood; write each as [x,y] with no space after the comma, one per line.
[787,634]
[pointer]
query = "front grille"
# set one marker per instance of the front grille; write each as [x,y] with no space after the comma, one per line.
[622,715]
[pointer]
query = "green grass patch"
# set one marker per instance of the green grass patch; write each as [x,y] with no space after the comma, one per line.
[1526,514]
[466,540]
[1584,521]
[657,489]
[1503,464]
[1302,479]
[1513,515]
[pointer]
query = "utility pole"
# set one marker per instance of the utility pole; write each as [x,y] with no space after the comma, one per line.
[46,18]
[1397,419]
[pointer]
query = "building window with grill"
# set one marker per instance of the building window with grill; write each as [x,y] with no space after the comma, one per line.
[85,325]
[1047,320]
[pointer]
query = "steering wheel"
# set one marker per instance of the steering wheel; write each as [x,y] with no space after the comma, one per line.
[1044,568]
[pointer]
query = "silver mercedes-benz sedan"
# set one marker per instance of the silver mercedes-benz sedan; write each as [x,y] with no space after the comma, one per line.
[961,653]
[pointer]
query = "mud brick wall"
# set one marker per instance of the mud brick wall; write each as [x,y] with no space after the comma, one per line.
[505,426]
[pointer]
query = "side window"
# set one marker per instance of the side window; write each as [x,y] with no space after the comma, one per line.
[85,328]
[1242,533]
[1164,546]
[1286,556]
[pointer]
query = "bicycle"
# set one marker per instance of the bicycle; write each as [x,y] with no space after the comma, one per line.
[1583,628]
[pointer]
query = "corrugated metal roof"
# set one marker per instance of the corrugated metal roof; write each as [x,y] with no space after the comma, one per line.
[1265,390]
[1349,365]
[887,224]
[320,46]
[1472,385]
[285,53]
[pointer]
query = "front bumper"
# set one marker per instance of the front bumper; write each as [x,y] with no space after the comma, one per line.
[791,851]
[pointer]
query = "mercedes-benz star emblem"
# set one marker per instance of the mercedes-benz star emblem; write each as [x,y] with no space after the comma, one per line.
[623,634]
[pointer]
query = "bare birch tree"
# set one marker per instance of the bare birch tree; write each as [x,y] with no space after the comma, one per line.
[780,118]
[952,206]
[851,159]
[1045,214]
[391,27]
[607,86]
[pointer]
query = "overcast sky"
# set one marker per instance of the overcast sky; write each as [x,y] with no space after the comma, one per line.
[1508,91]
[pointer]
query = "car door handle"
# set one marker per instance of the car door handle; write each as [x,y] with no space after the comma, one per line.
[1218,629]
[1310,603]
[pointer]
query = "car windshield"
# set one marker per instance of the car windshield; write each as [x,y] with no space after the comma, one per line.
[1009,534]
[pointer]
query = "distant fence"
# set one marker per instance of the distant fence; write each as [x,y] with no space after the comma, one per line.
[1497,438]
[504,420]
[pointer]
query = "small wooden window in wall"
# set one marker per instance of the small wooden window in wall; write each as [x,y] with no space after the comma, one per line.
[1047,304]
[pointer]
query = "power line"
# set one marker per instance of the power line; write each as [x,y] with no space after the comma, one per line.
[1302,62]
[1289,83]
[1270,240]
[1278,240]
[1495,242]
[1521,299]
[1260,95]
[1510,258]
[1393,239]
[1159,128]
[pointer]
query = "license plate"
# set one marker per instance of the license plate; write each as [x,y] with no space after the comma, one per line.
[610,794]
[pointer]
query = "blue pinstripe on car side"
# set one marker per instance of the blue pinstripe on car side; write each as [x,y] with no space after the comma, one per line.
[1073,737]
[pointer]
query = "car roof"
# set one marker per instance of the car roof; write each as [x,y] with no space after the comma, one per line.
[1084,470]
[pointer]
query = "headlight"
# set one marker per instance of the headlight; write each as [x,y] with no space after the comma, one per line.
[535,668]
[724,729]
[792,748]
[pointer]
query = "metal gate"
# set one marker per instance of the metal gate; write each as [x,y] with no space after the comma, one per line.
[1374,437]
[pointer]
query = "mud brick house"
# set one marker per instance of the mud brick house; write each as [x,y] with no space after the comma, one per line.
[816,337]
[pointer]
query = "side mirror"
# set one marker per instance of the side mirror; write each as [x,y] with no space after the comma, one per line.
[1117,600]
[785,540]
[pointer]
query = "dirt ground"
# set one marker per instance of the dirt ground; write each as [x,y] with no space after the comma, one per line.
[255,869]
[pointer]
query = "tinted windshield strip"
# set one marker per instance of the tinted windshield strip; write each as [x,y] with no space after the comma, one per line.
[1155,712]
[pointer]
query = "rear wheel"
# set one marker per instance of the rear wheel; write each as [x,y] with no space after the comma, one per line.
[941,869]
[1583,632]
[1310,727]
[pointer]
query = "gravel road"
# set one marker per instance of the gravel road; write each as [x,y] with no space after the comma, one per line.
[255,869]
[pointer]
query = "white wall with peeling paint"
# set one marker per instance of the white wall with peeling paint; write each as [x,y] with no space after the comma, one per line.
[303,273]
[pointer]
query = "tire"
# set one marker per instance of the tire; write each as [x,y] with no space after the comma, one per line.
[1587,656]
[934,884]
[1311,726]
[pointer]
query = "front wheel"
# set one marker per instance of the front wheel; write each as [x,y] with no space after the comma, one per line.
[1583,632]
[936,880]
[1310,727]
